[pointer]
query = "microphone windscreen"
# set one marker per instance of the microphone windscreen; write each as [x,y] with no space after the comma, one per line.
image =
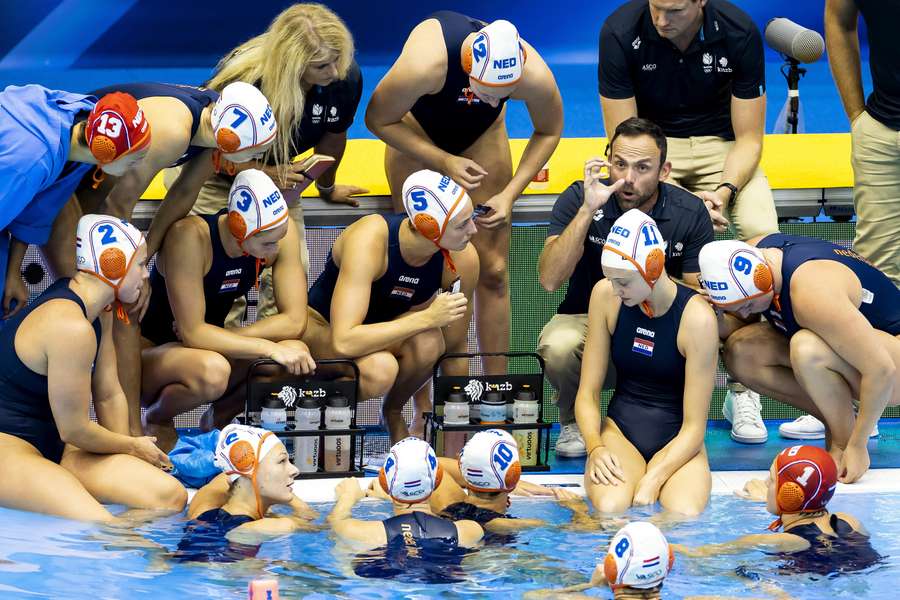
[795,41]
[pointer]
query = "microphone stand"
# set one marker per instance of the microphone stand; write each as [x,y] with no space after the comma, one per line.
[792,72]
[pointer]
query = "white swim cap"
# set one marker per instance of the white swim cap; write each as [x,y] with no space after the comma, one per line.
[496,56]
[639,557]
[255,204]
[634,243]
[490,461]
[241,448]
[242,121]
[732,272]
[105,247]
[411,472]
[431,201]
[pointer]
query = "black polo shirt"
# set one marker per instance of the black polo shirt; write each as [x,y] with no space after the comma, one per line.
[682,219]
[882,18]
[686,94]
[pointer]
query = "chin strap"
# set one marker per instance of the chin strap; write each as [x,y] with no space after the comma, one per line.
[97,176]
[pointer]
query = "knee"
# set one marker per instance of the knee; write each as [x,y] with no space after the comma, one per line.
[560,350]
[808,350]
[378,375]
[494,274]
[213,373]
[169,495]
[741,355]
[427,347]
[606,503]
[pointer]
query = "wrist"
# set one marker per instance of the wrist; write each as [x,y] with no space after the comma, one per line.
[325,190]
[726,191]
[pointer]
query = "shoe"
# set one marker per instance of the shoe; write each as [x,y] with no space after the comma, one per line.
[742,410]
[570,444]
[806,427]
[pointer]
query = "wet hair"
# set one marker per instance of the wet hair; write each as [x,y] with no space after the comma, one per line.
[636,127]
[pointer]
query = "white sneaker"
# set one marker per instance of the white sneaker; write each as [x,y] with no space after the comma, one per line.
[570,444]
[742,410]
[806,427]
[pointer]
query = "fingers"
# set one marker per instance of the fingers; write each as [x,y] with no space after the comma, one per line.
[493,221]
[595,478]
[474,166]
[615,187]
[353,190]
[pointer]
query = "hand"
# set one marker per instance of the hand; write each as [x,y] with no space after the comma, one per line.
[302,509]
[464,171]
[294,357]
[343,194]
[755,490]
[144,447]
[604,468]
[563,494]
[596,194]
[446,308]
[376,491]
[685,550]
[139,306]
[501,212]
[854,464]
[15,294]
[716,206]
[349,487]
[285,176]
[647,491]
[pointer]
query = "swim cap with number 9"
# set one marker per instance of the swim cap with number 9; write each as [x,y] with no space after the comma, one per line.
[732,272]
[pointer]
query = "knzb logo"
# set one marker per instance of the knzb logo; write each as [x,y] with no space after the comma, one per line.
[476,388]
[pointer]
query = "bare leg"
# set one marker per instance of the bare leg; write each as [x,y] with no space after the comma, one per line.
[28,481]
[415,357]
[59,251]
[123,479]
[687,490]
[612,499]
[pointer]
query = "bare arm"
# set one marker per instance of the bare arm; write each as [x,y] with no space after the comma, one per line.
[289,282]
[419,70]
[256,532]
[184,284]
[469,533]
[180,198]
[340,519]
[593,369]
[748,119]
[780,542]
[616,111]
[212,495]
[362,260]
[109,399]
[699,343]
[541,95]
[842,40]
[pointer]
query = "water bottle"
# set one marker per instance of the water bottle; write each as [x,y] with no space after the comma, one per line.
[456,412]
[273,415]
[493,409]
[337,447]
[525,410]
[307,417]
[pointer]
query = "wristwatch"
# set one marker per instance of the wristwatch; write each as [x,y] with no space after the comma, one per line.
[731,187]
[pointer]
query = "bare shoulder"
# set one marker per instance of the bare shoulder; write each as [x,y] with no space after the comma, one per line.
[698,315]
[369,234]
[855,523]
[469,532]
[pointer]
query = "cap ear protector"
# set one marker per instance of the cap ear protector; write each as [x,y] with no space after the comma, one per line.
[113,264]
[427,226]
[237,225]
[243,456]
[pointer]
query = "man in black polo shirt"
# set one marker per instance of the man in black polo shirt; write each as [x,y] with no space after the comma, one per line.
[696,67]
[581,220]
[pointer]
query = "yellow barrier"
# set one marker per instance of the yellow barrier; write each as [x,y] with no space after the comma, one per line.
[811,160]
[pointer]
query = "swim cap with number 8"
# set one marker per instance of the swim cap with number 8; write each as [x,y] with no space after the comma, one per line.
[639,557]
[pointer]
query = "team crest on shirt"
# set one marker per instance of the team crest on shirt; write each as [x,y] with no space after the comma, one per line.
[332,114]
[229,285]
[707,62]
[317,111]
[722,66]
[642,346]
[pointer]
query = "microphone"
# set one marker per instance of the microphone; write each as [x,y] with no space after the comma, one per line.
[794,41]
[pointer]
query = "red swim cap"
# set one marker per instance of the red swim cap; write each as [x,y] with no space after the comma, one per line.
[116,127]
[806,479]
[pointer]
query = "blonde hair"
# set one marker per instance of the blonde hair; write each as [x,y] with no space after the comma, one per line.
[278,58]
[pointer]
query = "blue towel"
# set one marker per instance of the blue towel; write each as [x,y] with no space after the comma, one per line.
[194,459]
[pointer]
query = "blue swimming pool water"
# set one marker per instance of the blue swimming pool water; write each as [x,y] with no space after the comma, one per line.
[42,557]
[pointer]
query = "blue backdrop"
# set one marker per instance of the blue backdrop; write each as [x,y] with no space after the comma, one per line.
[82,44]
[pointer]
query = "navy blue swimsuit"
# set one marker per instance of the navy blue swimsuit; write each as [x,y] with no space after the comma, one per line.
[24,397]
[846,551]
[227,279]
[648,403]
[194,98]
[205,539]
[449,117]
[394,293]
[881,298]
[420,547]
[463,511]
